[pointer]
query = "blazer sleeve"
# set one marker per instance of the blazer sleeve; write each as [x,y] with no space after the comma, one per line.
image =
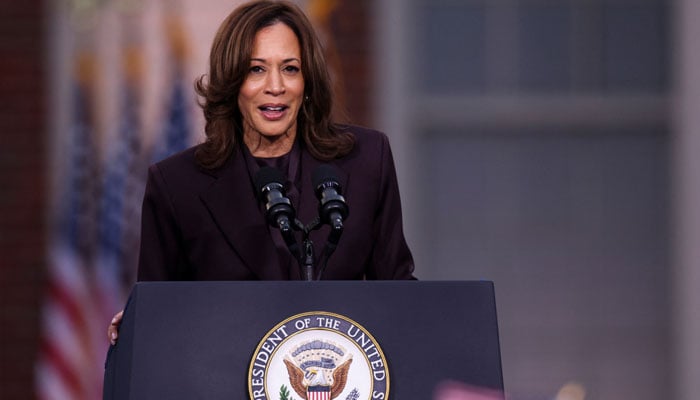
[391,257]
[161,256]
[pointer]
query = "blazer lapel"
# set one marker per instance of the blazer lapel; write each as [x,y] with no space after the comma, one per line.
[232,204]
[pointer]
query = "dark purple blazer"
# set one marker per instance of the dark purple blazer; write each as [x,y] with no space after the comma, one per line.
[208,225]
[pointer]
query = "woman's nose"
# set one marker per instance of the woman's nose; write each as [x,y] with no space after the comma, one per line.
[275,84]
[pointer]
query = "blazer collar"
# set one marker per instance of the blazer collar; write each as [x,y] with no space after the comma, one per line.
[234,207]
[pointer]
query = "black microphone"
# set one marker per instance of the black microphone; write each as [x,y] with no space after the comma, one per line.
[332,208]
[278,208]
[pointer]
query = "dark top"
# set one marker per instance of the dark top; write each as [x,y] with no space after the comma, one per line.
[202,224]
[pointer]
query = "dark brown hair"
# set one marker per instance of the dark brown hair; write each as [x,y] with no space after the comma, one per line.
[229,65]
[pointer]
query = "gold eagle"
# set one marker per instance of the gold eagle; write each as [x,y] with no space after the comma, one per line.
[296,378]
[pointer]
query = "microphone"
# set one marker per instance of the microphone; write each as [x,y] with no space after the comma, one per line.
[332,208]
[278,208]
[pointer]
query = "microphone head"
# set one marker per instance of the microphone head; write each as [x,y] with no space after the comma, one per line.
[324,176]
[327,188]
[268,181]
[266,176]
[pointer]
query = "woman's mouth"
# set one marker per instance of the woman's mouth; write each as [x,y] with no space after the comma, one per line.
[273,112]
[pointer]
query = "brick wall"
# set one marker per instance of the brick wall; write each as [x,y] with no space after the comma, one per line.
[22,192]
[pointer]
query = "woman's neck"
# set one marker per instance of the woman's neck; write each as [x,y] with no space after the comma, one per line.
[268,147]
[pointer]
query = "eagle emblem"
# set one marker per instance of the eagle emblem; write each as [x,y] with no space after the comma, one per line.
[318,369]
[318,355]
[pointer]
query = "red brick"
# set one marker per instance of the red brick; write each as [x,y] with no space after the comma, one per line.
[22,199]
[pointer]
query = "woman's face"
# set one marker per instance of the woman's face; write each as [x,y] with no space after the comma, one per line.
[272,93]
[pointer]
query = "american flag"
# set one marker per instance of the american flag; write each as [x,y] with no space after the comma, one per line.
[70,353]
[91,258]
[119,214]
[122,191]
[94,237]
[175,136]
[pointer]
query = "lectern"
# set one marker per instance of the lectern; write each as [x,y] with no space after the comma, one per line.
[294,340]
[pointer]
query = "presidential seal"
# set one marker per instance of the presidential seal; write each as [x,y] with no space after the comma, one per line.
[318,356]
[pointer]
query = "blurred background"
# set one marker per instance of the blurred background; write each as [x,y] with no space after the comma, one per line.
[546,145]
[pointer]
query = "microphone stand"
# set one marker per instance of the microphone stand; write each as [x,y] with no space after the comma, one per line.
[329,248]
[308,260]
[279,212]
[308,263]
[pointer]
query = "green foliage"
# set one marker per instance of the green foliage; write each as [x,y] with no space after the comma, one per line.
[284,393]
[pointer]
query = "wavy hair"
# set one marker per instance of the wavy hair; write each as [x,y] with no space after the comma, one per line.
[229,63]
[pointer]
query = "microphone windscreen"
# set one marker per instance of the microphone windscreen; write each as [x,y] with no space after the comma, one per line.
[324,173]
[268,175]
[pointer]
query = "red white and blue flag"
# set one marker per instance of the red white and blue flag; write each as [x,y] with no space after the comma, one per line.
[70,352]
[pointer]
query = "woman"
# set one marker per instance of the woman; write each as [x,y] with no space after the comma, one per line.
[267,102]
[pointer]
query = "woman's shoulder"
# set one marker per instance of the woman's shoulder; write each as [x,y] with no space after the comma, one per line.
[179,162]
[181,166]
[362,133]
[370,152]
[369,143]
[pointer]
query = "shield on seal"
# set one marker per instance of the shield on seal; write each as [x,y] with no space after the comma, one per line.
[318,393]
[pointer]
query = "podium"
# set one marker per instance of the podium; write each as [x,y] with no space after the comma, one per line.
[200,340]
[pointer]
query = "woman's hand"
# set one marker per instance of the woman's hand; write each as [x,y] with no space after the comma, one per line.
[113,330]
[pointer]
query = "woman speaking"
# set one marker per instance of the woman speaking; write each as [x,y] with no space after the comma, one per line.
[267,102]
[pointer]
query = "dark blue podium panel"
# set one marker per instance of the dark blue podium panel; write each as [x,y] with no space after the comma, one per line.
[196,340]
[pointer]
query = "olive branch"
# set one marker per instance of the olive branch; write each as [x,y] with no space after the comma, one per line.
[284,393]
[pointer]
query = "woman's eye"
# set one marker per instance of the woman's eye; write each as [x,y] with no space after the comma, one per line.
[256,69]
[291,69]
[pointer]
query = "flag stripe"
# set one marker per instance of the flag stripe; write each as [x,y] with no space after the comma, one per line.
[52,387]
[59,363]
[71,306]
